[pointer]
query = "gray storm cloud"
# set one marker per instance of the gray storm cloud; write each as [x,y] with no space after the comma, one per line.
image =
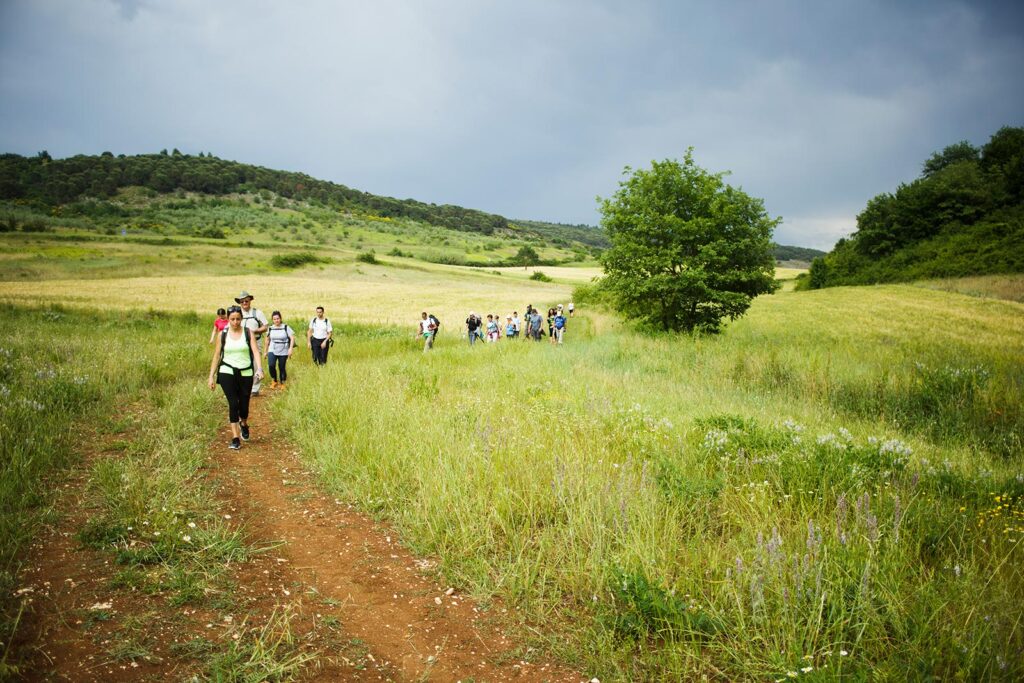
[527,109]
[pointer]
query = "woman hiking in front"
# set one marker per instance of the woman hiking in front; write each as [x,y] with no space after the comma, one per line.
[238,359]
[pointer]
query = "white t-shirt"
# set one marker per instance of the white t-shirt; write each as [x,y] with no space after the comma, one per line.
[516,324]
[253,319]
[320,327]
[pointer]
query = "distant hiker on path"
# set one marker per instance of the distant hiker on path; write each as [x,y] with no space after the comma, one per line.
[559,326]
[236,366]
[536,324]
[280,344]
[253,319]
[319,337]
[572,309]
[427,328]
[219,324]
[472,325]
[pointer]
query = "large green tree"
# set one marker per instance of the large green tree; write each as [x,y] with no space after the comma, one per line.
[687,250]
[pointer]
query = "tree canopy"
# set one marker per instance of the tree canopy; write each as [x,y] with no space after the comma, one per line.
[687,250]
[963,216]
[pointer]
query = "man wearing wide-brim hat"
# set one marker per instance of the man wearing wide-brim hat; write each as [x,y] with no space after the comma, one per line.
[253,319]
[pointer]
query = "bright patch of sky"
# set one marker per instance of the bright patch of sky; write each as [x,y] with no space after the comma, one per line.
[529,109]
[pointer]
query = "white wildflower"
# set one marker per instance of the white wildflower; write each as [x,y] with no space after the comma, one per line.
[716,440]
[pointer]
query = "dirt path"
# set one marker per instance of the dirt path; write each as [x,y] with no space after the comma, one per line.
[412,626]
[358,602]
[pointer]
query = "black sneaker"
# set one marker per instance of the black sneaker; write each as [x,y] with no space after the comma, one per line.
[245,432]
[235,444]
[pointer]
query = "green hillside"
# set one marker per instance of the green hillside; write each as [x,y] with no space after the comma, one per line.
[803,254]
[128,198]
[963,216]
[202,196]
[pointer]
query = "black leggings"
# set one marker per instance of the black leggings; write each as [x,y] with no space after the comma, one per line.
[238,390]
[275,363]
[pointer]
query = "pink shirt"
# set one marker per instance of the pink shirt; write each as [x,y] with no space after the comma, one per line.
[220,324]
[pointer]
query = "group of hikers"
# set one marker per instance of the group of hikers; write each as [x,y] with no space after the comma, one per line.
[244,340]
[531,326]
[238,335]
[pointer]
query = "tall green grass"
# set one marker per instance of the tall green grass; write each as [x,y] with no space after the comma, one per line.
[831,487]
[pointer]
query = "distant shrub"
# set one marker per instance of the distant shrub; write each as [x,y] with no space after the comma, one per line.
[540,277]
[8,224]
[445,259]
[398,252]
[34,226]
[368,257]
[296,259]
[212,233]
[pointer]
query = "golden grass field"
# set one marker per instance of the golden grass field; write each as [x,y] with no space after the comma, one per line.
[377,296]
[121,276]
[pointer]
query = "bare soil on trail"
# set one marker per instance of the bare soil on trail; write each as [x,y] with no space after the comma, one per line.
[419,630]
[359,603]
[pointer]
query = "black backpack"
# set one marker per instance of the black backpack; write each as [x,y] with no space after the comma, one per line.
[249,340]
[288,333]
[437,323]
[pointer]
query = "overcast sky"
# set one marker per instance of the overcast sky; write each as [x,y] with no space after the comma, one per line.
[530,108]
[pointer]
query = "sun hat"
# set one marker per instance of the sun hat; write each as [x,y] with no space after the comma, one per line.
[243,295]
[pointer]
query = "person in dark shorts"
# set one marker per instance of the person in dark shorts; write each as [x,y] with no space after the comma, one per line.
[253,319]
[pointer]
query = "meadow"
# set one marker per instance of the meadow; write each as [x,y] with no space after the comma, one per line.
[820,491]
[832,487]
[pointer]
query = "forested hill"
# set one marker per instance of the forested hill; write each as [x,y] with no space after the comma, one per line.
[964,215]
[45,184]
[61,181]
[804,254]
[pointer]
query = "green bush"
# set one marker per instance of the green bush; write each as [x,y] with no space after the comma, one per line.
[34,226]
[296,259]
[591,293]
[540,277]
[212,233]
[368,257]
